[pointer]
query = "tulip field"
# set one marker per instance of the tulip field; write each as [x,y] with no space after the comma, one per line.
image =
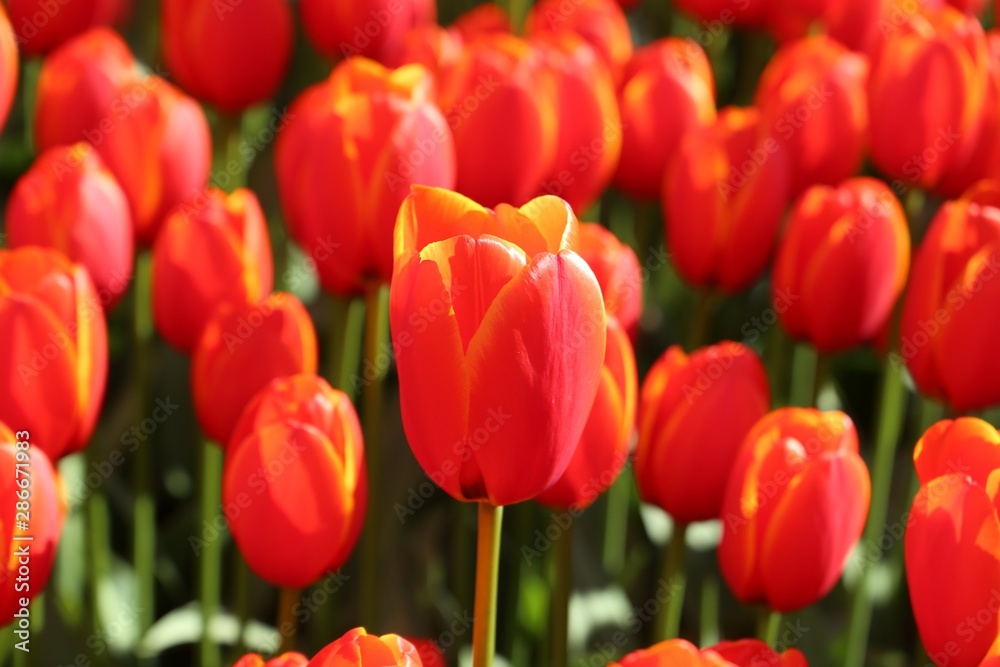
[555,333]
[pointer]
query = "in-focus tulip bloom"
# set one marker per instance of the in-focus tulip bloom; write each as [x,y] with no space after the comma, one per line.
[213,249]
[755,653]
[359,141]
[359,649]
[600,22]
[724,194]
[68,200]
[937,62]
[310,432]
[28,477]
[953,527]
[241,349]
[604,445]
[501,107]
[952,303]
[618,273]
[231,55]
[844,256]
[283,660]
[686,451]
[371,28]
[496,387]
[742,653]
[8,66]
[668,91]
[812,99]
[53,349]
[40,27]
[670,653]
[795,505]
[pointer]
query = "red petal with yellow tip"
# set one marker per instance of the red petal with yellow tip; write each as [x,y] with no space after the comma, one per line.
[965,446]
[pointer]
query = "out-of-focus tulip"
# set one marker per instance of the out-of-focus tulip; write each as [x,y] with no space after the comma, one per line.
[953,527]
[41,26]
[242,348]
[855,23]
[29,481]
[600,22]
[668,92]
[295,465]
[283,660]
[371,28]
[844,256]
[755,653]
[723,198]
[952,302]
[8,66]
[53,349]
[795,505]
[618,273]
[716,14]
[68,200]
[604,445]
[685,451]
[437,49]
[360,140]
[812,99]
[212,250]
[499,330]
[359,649]
[935,62]
[742,653]
[429,651]
[486,19]
[231,55]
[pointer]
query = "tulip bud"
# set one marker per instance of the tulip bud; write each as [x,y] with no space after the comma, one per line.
[371,28]
[618,273]
[359,649]
[601,23]
[8,66]
[283,660]
[70,201]
[42,26]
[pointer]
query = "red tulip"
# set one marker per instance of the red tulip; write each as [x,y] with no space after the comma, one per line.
[8,66]
[485,19]
[42,26]
[724,195]
[212,250]
[742,653]
[53,349]
[231,55]
[845,253]
[371,28]
[437,49]
[795,505]
[360,140]
[359,649]
[670,653]
[755,653]
[600,22]
[295,466]
[685,451]
[668,91]
[283,660]
[714,14]
[242,348]
[618,273]
[499,332]
[429,652]
[68,200]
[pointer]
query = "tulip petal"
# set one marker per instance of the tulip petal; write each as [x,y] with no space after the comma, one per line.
[965,446]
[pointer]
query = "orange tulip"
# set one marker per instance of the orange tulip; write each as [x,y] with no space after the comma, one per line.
[742,653]
[936,61]
[8,66]
[670,653]
[951,304]
[618,273]
[755,653]
[42,26]
[846,253]
[501,81]
[211,250]
[953,527]
[29,481]
[53,349]
[231,55]
[685,451]
[795,504]
[668,92]
[499,332]
[242,348]
[283,660]
[70,201]
[359,649]
[723,198]
[600,22]
[295,466]
[371,28]
[360,140]
[812,96]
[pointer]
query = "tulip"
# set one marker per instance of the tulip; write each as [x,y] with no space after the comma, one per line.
[241,349]
[668,92]
[359,649]
[951,303]
[485,19]
[742,653]
[744,14]
[755,653]
[812,95]
[855,23]
[70,201]
[307,436]
[437,49]
[28,481]
[8,66]
[53,349]
[231,55]
[360,140]
[618,273]
[953,527]
[283,660]
[211,250]
[937,62]
[480,302]
[429,651]
[600,22]
[723,198]
[794,506]
[845,255]
[42,26]
[666,654]
[371,28]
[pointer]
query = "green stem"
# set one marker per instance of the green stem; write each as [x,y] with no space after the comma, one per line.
[805,376]
[100,557]
[30,72]
[241,602]
[709,617]
[768,625]
[287,625]
[562,586]
[701,323]
[345,343]
[669,623]
[144,518]
[487,571]
[210,565]
[616,525]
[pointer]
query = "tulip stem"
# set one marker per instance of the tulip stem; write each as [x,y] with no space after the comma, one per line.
[669,624]
[562,574]
[616,525]
[287,627]
[99,556]
[768,624]
[210,566]
[709,613]
[487,571]
[241,601]
[345,343]
[806,376]
[701,323]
